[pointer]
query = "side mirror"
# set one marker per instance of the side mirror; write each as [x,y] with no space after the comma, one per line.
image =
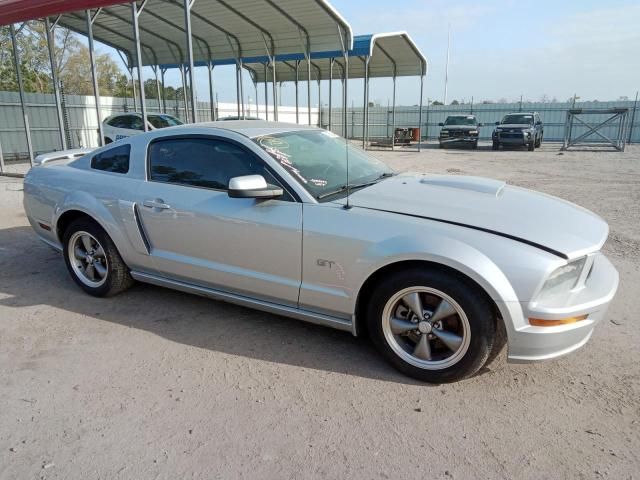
[441,124]
[497,123]
[481,124]
[252,186]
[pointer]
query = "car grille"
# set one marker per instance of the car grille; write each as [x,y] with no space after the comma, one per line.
[514,134]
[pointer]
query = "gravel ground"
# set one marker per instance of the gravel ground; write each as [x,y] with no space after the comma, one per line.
[161,384]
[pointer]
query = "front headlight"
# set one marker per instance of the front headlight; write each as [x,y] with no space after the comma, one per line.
[565,278]
[473,132]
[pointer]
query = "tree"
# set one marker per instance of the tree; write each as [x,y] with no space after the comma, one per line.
[71,63]
[436,103]
[455,102]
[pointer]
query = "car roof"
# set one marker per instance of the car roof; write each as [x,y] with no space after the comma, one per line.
[462,115]
[248,128]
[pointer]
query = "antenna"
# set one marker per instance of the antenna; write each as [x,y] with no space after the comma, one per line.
[347,206]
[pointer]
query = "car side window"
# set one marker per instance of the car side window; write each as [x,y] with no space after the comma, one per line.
[117,122]
[115,160]
[202,162]
[135,123]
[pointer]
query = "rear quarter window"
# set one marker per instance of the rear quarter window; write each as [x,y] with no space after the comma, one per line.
[114,160]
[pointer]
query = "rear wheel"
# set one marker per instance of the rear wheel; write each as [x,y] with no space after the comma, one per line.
[93,260]
[432,325]
[107,140]
[539,143]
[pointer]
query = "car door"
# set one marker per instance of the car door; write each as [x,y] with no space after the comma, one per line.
[199,235]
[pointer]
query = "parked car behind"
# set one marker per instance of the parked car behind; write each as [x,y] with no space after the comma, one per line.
[458,130]
[519,129]
[123,125]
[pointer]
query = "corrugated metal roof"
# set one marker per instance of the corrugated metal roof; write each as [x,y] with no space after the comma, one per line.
[223,30]
[388,53]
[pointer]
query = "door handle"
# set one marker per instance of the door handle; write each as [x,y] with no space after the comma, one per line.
[157,203]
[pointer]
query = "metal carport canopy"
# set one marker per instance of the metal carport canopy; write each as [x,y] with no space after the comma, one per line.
[223,31]
[389,54]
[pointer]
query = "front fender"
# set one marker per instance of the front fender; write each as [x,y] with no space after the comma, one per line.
[454,254]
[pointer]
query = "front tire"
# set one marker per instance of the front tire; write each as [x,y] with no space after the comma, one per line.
[531,146]
[495,145]
[451,336]
[93,260]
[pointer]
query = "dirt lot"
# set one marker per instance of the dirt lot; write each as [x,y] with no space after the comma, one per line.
[160,384]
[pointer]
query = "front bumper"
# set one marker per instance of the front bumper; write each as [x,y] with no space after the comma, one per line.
[532,343]
[464,139]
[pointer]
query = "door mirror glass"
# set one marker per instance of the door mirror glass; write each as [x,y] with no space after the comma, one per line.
[441,124]
[481,124]
[497,123]
[252,186]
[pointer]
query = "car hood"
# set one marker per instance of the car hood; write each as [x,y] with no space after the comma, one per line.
[514,125]
[541,220]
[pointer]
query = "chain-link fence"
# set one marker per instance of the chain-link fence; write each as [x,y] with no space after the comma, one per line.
[553,115]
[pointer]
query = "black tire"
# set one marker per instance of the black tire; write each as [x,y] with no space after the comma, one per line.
[118,277]
[474,145]
[531,146]
[539,142]
[482,321]
[495,146]
[440,145]
[107,140]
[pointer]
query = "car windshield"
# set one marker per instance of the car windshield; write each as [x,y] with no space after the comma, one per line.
[518,119]
[317,159]
[162,121]
[466,120]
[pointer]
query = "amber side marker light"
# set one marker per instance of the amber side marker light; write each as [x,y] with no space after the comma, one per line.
[539,322]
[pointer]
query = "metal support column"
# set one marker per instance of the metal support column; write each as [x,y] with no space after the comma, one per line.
[633,118]
[365,107]
[297,100]
[266,92]
[135,13]
[241,86]
[164,91]
[54,80]
[212,105]
[133,90]
[309,88]
[238,98]
[319,106]
[420,111]
[187,23]
[184,92]
[94,73]
[330,91]
[346,94]
[393,114]
[275,90]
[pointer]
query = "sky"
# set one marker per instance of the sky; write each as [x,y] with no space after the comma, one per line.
[498,50]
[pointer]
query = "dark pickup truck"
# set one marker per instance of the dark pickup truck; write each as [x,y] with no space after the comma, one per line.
[519,129]
[459,129]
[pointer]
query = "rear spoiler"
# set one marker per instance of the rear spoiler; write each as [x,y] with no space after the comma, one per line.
[61,155]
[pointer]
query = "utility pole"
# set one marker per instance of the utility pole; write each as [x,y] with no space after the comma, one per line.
[446,70]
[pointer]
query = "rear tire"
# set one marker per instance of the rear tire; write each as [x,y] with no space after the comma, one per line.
[93,259]
[415,345]
[107,140]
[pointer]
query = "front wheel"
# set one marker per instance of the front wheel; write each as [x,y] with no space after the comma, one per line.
[531,146]
[495,145]
[432,325]
[93,260]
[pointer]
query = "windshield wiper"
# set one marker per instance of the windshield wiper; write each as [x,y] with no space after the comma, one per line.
[353,186]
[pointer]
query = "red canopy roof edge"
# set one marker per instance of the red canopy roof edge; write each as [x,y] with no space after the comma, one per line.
[14,11]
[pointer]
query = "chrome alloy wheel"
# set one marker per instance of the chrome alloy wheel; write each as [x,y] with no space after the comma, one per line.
[87,259]
[426,328]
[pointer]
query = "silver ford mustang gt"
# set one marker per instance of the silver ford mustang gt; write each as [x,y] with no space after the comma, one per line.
[440,271]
